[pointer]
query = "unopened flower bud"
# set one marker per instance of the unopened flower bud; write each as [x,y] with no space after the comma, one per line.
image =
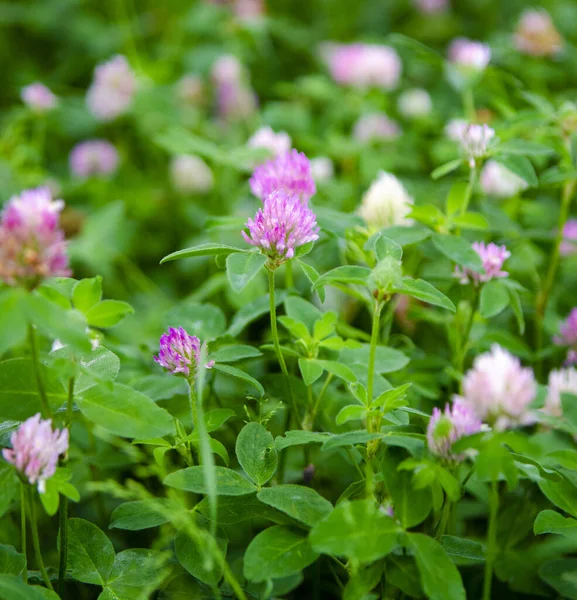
[386,276]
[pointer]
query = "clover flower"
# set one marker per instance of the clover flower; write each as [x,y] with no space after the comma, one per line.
[375,127]
[569,243]
[560,382]
[276,143]
[498,390]
[93,157]
[38,97]
[475,141]
[235,98]
[445,428]
[180,353]
[112,89]
[289,172]
[568,336]
[386,203]
[363,65]
[496,180]
[430,7]
[32,245]
[455,129]
[415,103]
[282,225]
[469,55]
[322,168]
[492,257]
[536,34]
[190,174]
[35,450]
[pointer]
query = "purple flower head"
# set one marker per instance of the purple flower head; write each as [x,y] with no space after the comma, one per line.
[536,34]
[32,245]
[492,257]
[363,65]
[290,172]
[568,330]
[496,180]
[35,450]
[430,7]
[375,127]
[180,352]
[276,143]
[445,428]
[469,54]
[569,243]
[283,224]
[498,390]
[38,97]
[93,157]
[235,98]
[112,89]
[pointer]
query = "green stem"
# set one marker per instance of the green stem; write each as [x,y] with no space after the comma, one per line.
[491,540]
[444,518]
[543,296]
[464,341]
[23,529]
[469,104]
[36,539]
[38,373]
[63,509]
[193,411]
[315,409]
[288,274]
[373,350]
[280,357]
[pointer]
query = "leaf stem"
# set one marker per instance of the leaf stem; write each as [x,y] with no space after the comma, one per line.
[469,104]
[491,540]
[37,372]
[288,274]
[36,539]
[373,350]
[23,529]
[464,341]
[447,506]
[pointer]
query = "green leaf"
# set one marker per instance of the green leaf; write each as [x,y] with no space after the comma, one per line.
[357,530]
[299,438]
[392,399]
[387,360]
[140,514]
[238,374]
[569,406]
[13,588]
[56,485]
[9,485]
[11,562]
[524,148]
[236,509]
[517,309]
[90,553]
[242,268]
[108,313]
[296,328]
[228,482]
[561,493]
[86,293]
[402,572]
[549,521]
[463,551]
[124,411]
[19,397]
[521,166]
[440,578]
[12,319]
[234,353]
[350,438]
[301,503]
[216,418]
[325,326]
[561,574]
[362,582]
[192,556]
[209,249]
[97,366]
[456,197]
[458,250]
[312,275]
[470,220]
[385,247]
[256,452]
[494,299]
[310,370]
[336,368]
[277,552]
[406,236]
[347,274]
[422,290]
[353,412]
[446,168]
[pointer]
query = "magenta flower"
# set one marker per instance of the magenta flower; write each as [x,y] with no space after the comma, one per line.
[235,98]
[282,225]
[35,450]
[290,172]
[445,428]
[468,54]
[568,334]
[430,7]
[268,139]
[498,390]
[375,127]
[93,157]
[38,97]
[492,257]
[363,65]
[569,243]
[180,353]
[32,245]
[112,89]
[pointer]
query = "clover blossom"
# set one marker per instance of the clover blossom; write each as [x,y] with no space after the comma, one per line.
[290,172]
[469,54]
[536,34]
[386,203]
[498,390]
[180,353]
[282,225]
[276,143]
[38,97]
[569,243]
[568,336]
[32,245]
[492,257]
[35,450]
[445,428]
[496,180]
[374,127]
[235,98]
[560,382]
[93,157]
[415,103]
[475,141]
[190,174]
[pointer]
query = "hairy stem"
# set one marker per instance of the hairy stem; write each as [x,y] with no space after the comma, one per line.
[491,540]
[373,349]
[36,539]
[38,373]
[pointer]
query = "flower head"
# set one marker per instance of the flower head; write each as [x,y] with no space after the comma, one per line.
[93,157]
[568,331]
[468,54]
[322,168]
[190,174]
[38,97]
[276,143]
[112,89]
[475,141]
[492,257]
[35,450]
[569,243]
[431,6]
[386,203]
[375,127]
[180,353]
[363,65]
[560,382]
[289,172]
[235,98]
[415,103]
[496,180]
[455,129]
[499,390]
[536,34]
[32,245]
[445,428]
[282,225]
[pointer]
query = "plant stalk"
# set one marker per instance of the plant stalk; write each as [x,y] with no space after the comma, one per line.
[36,539]
[47,413]
[491,540]
[23,529]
